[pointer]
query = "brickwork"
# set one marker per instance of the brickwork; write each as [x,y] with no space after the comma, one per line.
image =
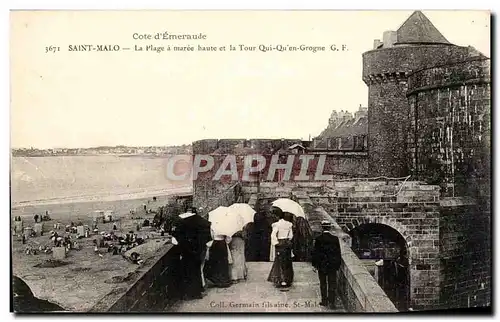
[388,126]
[465,255]
[386,72]
[208,186]
[414,213]
[449,143]
[358,290]
[151,291]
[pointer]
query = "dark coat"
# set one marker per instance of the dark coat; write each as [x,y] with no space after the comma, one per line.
[193,233]
[326,254]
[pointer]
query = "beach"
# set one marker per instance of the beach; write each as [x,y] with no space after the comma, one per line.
[85,277]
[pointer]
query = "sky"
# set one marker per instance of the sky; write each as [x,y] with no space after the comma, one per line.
[143,98]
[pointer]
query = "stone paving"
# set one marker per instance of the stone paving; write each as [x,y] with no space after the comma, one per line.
[256,294]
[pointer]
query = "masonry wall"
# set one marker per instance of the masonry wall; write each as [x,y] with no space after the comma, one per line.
[385,71]
[449,143]
[388,127]
[357,289]
[465,254]
[414,213]
[153,289]
[207,190]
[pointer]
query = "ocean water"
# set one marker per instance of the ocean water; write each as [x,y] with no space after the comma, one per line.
[58,179]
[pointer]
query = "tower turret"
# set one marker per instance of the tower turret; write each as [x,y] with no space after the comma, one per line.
[416,45]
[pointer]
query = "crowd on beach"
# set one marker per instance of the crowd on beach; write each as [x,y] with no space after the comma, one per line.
[73,235]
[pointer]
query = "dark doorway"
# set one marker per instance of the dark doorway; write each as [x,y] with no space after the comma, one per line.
[384,249]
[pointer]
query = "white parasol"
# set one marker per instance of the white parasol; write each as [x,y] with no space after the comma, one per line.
[244,210]
[225,221]
[288,205]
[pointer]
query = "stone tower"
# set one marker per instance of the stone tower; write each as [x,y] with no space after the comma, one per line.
[416,45]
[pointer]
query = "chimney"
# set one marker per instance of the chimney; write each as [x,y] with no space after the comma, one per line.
[333,118]
[390,38]
[361,112]
[376,43]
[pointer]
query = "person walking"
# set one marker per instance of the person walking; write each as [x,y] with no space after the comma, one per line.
[218,265]
[326,259]
[281,273]
[191,234]
[238,269]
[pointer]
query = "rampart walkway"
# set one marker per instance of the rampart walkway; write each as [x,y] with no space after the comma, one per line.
[256,294]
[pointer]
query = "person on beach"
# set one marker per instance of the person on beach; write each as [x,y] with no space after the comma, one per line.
[281,273]
[36,218]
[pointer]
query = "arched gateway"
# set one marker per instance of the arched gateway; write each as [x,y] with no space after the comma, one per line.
[384,251]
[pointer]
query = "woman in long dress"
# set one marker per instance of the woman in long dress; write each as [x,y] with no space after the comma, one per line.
[260,240]
[217,268]
[303,240]
[248,232]
[238,269]
[281,237]
[272,217]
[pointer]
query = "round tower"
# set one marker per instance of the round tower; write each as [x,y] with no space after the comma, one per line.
[450,126]
[416,45]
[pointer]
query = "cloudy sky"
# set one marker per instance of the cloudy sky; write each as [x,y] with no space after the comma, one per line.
[83,99]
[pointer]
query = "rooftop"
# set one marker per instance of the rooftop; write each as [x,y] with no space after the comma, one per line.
[418,29]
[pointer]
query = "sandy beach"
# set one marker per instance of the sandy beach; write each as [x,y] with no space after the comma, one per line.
[86,277]
[82,206]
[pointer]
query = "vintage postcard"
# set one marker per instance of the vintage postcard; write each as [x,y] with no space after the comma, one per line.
[250,161]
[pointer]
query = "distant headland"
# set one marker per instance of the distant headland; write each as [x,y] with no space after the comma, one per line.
[119,150]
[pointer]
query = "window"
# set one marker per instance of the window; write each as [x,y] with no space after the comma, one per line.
[356,144]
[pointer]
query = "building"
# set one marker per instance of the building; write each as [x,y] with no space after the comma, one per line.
[345,132]
[427,121]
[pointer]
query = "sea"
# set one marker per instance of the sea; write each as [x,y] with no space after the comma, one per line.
[69,179]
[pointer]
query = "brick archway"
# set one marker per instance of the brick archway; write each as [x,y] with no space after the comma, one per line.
[401,229]
[390,239]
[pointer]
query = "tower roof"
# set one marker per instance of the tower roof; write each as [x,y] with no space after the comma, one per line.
[419,29]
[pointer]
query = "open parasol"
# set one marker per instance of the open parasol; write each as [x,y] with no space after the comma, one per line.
[225,221]
[288,205]
[244,211]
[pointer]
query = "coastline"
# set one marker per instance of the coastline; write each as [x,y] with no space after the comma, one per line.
[149,193]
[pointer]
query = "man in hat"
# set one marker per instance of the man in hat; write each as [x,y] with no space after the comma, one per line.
[326,259]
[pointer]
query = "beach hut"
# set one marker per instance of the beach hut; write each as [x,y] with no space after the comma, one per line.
[108,216]
[18,227]
[28,231]
[98,216]
[38,229]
